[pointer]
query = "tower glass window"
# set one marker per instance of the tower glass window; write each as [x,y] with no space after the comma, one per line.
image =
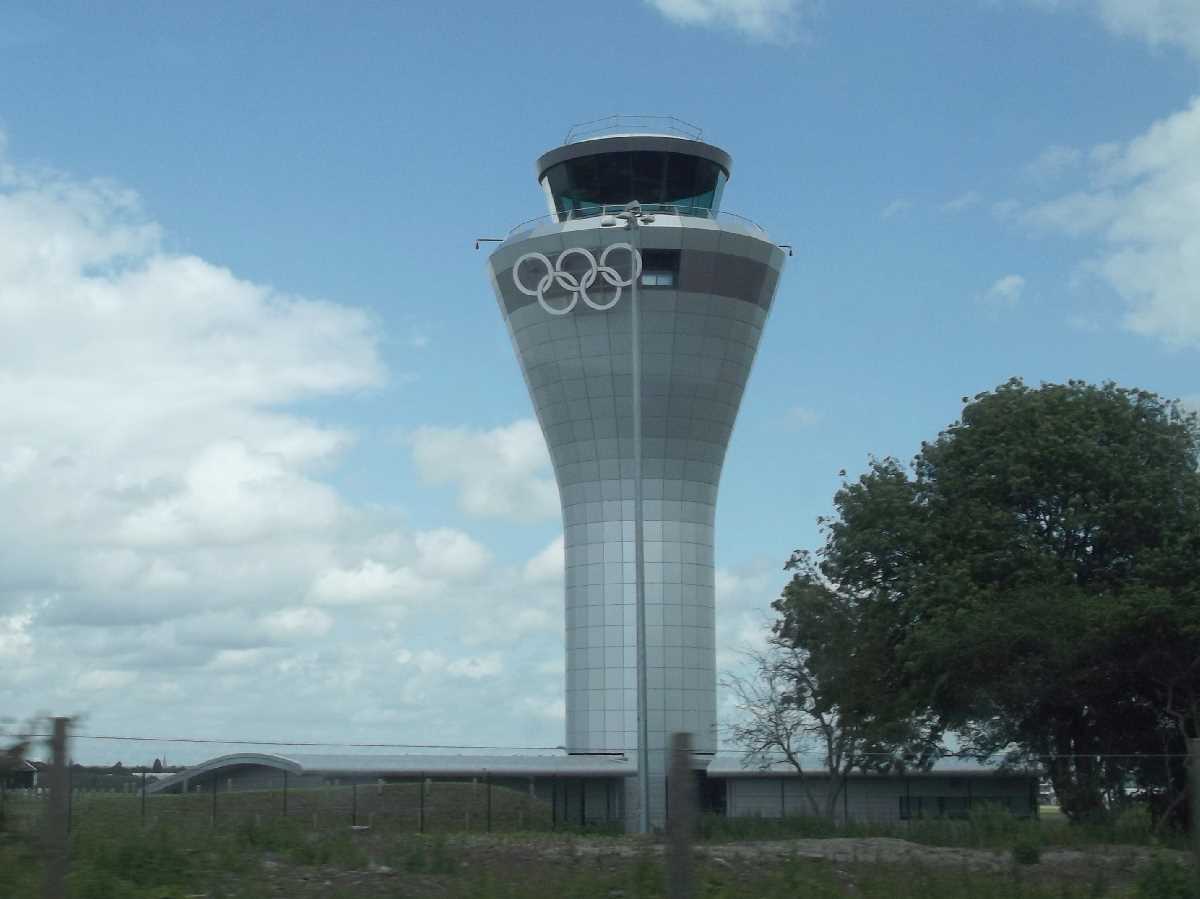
[674,183]
[660,268]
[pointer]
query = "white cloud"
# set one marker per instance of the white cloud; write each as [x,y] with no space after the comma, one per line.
[547,566]
[449,554]
[1004,292]
[895,208]
[434,560]
[499,473]
[547,708]
[1156,22]
[767,21]
[1053,162]
[802,417]
[1005,209]
[146,468]
[231,493]
[15,642]
[744,616]
[744,596]
[370,582]
[238,659]
[170,536]
[962,202]
[105,679]
[298,621]
[1143,208]
[476,667]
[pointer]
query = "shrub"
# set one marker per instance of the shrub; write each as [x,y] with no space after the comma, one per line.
[1026,852]
[1134,825]
[991,822]
[1167,880]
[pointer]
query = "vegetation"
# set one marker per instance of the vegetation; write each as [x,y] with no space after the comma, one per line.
[447,807]
[1031,581]
[284,857]
[985,828]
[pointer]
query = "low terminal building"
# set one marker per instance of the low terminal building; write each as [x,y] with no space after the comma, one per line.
[590,790]
[949,789]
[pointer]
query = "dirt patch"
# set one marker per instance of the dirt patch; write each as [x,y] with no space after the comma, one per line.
[532,860]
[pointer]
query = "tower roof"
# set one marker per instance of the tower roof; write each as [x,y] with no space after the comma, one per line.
[617,143]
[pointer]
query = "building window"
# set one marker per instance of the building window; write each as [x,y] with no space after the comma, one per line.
[660,268]
[671,183]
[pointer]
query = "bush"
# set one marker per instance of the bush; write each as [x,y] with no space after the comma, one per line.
[1167,880]
[1026,852]
[991,822]
[1134,825]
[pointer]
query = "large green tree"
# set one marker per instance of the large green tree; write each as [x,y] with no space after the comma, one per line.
[1031,581]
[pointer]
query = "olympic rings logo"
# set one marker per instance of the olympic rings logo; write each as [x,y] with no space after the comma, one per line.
[578,286]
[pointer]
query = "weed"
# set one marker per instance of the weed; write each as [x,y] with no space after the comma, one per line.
[1026,853]
[1167,880]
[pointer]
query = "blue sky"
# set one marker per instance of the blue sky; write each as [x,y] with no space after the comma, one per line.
[266,435]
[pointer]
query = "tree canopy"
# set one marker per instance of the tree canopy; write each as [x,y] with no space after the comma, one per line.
[1031,581]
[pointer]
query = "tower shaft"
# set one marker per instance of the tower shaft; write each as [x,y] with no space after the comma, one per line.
[704,291]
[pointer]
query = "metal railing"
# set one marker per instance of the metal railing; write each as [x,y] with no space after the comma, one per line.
[654,208]
[625,124]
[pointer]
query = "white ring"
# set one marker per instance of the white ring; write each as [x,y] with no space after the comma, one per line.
[578,287]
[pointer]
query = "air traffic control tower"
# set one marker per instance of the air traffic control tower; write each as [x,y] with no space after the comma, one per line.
[635,308]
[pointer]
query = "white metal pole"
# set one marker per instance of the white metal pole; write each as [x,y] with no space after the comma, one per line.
[638,551]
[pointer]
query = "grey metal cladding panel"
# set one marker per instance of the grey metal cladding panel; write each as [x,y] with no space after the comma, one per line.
[748,247]
[700,272]
[701,235]
[738,277]
[660,238]
[696,271]
[766,294]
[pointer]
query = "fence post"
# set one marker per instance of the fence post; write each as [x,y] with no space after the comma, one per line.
[681,820]
[554,802]
[487,782]
[70,791]
[354,805]
[285,785]
[214,799]
[421,804]
[1194,789]
[143,799]
[57,815]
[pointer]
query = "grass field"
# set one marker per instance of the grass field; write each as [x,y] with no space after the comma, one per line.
[447,807]
[253,851]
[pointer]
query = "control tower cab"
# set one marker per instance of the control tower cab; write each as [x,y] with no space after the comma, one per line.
[636,329]
[663,173]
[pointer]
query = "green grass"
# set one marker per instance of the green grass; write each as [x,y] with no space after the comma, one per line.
[986,828]
[258,860]
[179,853]
[447,808]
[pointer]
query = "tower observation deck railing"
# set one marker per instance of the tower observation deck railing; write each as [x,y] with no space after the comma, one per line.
[659,208]
[632,124]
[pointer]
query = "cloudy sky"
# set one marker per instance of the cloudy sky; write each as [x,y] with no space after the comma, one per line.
[267,466]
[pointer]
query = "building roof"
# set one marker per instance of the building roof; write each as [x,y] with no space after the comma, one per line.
[616,143]
[740,764]
[722,764]
[416,765]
